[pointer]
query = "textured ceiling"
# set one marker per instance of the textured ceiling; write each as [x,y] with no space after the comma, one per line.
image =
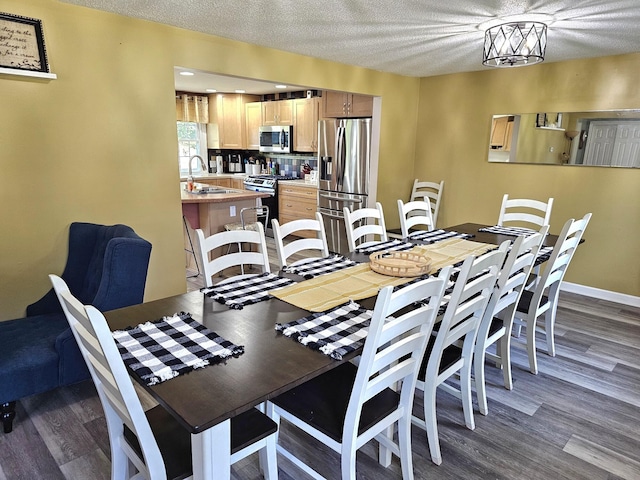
[411,37]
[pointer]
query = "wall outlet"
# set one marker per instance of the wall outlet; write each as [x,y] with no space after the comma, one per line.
[232,211]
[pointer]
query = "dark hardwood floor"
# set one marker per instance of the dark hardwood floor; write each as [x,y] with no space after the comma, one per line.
[578,418]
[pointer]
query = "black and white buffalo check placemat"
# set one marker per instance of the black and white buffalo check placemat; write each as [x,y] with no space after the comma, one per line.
[543,255]
[437,236]
[336,332]
[320,266]
[248,290]
[161,350]
[511,231]
[390,245]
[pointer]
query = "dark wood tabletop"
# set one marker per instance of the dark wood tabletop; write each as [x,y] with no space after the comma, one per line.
[271,364]
[496,239]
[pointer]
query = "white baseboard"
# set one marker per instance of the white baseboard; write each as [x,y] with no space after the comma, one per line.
[601,294]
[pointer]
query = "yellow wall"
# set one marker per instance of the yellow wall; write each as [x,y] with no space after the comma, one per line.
[99,143]
[453,133]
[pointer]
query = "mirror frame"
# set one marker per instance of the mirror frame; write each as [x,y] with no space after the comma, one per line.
[597,138]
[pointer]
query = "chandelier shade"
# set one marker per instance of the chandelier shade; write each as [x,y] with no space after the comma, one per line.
[514,44]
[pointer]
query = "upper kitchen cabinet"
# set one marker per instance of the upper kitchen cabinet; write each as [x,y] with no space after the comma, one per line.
[340,104]
[227,127]
[253,120]
[278,112]
[501,133]
[306,113]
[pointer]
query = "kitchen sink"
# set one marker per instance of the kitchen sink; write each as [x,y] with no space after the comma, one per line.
[204,189]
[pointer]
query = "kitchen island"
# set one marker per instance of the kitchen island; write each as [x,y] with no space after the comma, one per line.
[211,211]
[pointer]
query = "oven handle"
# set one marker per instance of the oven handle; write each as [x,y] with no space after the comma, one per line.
[341,199]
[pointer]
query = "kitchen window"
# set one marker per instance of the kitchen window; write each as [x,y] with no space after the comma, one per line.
[192,140]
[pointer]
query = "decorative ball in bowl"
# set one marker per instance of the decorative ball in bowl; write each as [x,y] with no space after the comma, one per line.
[399,264]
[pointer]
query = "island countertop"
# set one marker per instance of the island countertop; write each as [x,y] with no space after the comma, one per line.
[232,196]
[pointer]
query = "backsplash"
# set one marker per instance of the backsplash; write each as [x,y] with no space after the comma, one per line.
[289,164]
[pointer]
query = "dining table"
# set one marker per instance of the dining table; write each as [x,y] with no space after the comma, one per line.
[205,399]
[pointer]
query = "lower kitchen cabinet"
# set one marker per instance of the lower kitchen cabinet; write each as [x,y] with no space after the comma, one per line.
[297,202]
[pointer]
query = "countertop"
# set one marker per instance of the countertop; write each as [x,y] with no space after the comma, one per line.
[187,197]
[204,176]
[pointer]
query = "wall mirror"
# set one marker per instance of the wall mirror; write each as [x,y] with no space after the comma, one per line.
[608,138]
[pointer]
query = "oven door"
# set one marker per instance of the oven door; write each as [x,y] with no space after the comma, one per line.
[271,201]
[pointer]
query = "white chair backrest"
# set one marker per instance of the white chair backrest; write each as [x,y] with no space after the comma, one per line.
[466,307]
[299,244]
[534,213]
[558,262]
[512,279]
[358,226]
[119,399]
[414,213]
[394,347]
[430,190]
[216,245]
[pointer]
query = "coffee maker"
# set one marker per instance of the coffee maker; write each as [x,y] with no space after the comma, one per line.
[235,163]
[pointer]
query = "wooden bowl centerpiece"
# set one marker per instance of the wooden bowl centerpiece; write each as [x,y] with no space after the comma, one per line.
[399,264]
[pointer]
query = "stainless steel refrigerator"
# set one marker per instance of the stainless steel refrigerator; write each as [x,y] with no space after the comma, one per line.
[344,150]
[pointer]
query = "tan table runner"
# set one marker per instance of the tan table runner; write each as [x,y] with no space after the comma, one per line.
[450,252]
[327,291]
[324,292]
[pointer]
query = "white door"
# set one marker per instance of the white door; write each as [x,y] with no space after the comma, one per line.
[626,152]
[613,143]
[600,141]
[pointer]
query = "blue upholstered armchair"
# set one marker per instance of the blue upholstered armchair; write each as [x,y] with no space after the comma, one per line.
[106,267]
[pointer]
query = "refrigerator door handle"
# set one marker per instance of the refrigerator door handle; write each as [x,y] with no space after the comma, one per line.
[341,199]
[331,213]
[340,157]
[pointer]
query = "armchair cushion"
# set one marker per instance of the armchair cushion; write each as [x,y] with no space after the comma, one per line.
[106,267]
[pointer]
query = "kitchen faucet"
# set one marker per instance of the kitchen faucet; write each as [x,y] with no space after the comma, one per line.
[202,164]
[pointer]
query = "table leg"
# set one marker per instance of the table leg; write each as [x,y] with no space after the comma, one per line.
[211,453]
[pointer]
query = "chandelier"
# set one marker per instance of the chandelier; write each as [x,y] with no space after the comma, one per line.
[514,44]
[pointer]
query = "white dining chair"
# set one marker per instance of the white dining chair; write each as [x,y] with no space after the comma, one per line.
[543,297]
[431,191]
[459,325]
[288,243]
[497,321]
[350,405]
[214,260]
[152,444]
[525,212]
[363,225]
[415,213]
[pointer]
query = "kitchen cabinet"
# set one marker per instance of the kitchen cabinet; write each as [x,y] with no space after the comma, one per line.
[219,182]
[227,127]
[253,120]
[279,112]
[501,133]
[341,104]
[237,183]
[297,202]
[305,124]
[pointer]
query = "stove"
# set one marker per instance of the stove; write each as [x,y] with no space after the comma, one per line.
[261,183]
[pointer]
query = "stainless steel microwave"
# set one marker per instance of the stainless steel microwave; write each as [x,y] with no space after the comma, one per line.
[276,139]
